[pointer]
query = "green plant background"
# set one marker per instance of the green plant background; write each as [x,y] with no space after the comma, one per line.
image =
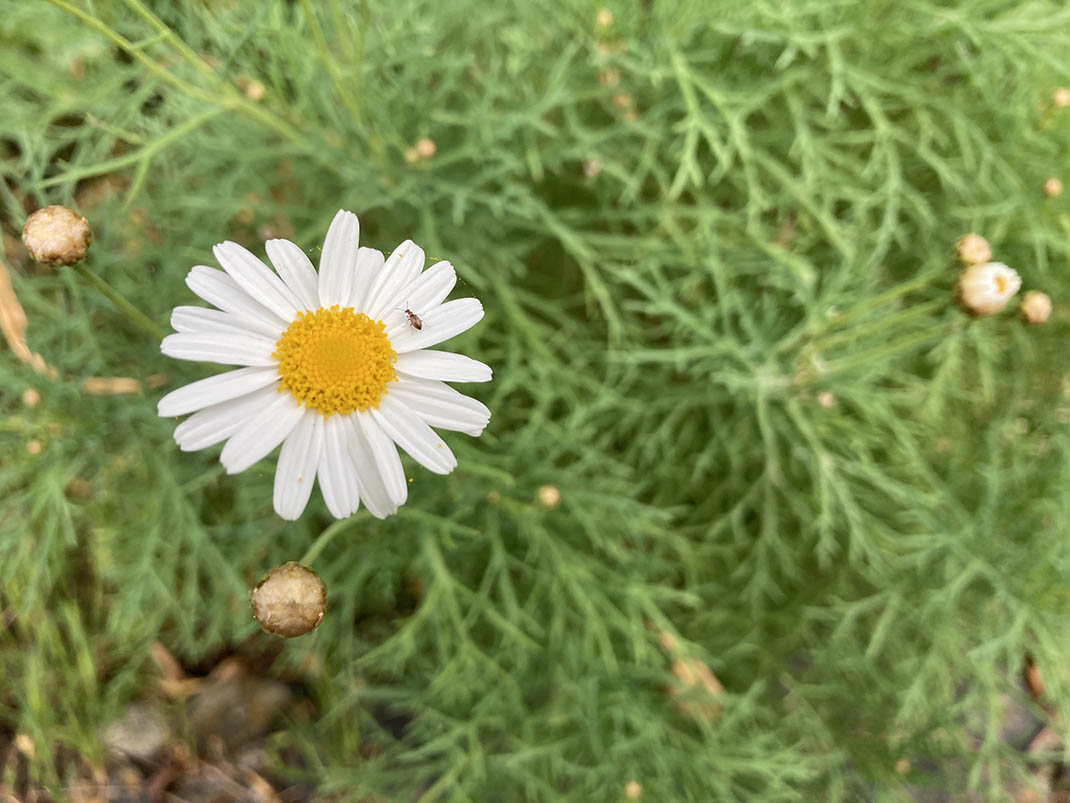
[780,191]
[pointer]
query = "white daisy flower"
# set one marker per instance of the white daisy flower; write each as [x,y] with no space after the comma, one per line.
[336,368]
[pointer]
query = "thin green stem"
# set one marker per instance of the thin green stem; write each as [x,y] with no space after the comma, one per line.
[322,540]
[135,315]
[871,357]
[142,155]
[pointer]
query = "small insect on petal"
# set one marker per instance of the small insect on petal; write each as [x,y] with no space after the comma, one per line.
[414,320]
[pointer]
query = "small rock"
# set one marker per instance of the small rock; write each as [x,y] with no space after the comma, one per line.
[140,734]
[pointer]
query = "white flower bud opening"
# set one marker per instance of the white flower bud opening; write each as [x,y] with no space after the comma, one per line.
[986,289]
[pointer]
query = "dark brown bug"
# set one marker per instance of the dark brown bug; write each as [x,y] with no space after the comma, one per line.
[414,320]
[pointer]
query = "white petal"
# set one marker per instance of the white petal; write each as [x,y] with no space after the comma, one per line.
[421,295]
[218,422]
[259,436]
[258,280]
[377,461]
[441,406]
[296,270]
[414,436]
[369,263]
[338,261]
[215,287]
[206,319]
[337,472]
[296,472]
[400,269]
[440,323]
[215,390]
[444,365]
[229,349]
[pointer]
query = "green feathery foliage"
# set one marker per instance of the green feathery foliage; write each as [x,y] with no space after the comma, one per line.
[714,242]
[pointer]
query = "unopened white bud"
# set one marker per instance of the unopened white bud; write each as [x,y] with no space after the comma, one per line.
[1036,307]
[973,249]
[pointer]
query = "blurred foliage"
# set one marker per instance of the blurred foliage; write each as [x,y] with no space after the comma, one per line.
[714,242]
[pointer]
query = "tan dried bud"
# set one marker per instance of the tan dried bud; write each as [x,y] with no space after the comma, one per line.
[592,167]
[699,691]
[252,88]
[290,600]
[426,148]
[412,156]
[622,100]
[609,77]
[1053,187]
[1036,307]
[549,496]
[973,249]
[604,18]
[34,447]
[826,399]
[986,289]
[31,397]
[633,790]
[56,236]
[1061,97]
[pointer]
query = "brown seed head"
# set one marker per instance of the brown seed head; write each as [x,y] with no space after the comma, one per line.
[1036,307]
[973,249]
[290,600]
[56,236]
[31,397]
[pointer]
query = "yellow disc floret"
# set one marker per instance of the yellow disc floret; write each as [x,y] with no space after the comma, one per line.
[335,360]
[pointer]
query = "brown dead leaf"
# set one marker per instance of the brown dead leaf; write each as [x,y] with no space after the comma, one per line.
[1034,681]
[13,325]
[169,666]
[259,789]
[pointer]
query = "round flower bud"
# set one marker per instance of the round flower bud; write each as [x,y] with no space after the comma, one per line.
[633,790]
[1053,187]
[1061,97]
[986,289]
[290,600]
[426,148]
[973,249]
[57,236]
[1036,307]
[549,496]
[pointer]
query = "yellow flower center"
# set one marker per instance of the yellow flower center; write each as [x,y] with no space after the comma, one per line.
[335,360]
